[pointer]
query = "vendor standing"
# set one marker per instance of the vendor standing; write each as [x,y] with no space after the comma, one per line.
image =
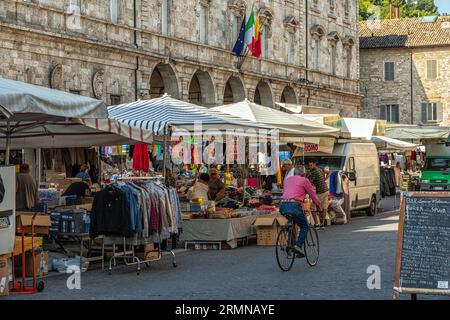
[84,174]
[26,189]
[216,188]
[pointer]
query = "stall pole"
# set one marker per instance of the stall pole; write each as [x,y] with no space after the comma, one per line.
[39,166]
[8,142]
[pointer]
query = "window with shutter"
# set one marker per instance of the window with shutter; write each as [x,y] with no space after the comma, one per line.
[390,113]
[431,112]
[389,71]
[113,11]
[431,69]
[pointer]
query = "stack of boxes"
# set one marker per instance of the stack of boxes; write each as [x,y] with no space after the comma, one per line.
[69,221]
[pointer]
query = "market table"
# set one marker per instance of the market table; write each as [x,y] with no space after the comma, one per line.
[218,230]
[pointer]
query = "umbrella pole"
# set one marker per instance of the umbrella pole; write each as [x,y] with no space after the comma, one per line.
[8,143]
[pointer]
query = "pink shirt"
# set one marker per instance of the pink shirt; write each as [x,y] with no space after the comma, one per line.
[296,187]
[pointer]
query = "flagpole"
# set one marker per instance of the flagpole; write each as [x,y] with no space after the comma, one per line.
[244,57]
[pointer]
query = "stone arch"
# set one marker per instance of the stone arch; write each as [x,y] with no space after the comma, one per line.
[201,89]
[288,95]
[263,94]
[164,80]
[234,90]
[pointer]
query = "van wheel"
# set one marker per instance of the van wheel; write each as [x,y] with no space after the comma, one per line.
[372,210]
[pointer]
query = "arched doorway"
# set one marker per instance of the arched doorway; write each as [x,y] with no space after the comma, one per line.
[288,96]
[163,80]
[234,91]
[201,90]
[263,95]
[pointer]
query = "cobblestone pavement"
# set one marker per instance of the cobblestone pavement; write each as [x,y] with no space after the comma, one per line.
[252,272]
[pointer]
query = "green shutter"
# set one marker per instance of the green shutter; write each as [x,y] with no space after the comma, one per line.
[383,112]
[424,112]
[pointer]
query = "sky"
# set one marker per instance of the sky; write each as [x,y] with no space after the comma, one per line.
[443,5]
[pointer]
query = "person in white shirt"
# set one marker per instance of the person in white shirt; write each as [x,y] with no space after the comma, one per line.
[288,168]
[200,188]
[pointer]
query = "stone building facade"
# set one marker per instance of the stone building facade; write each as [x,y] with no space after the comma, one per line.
[405,70]
[123,50]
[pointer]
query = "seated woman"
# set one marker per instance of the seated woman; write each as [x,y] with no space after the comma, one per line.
[200,188]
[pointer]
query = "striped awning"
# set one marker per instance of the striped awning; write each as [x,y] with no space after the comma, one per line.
[156,115]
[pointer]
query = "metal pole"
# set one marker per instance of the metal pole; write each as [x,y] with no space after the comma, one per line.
[39,166]
[8,143]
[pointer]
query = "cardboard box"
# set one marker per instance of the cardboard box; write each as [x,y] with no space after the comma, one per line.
[267,229]
[4,275]
[41,266]
[28,244]
[42,222]
[150,252]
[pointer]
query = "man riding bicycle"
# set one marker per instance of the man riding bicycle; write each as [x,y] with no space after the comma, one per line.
[295,189]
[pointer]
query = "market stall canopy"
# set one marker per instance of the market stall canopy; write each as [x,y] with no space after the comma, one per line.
[386,143]
[37,117]
[359,128]
[156,115]
[28,102]
[305,109]
[417,132]
[287,124]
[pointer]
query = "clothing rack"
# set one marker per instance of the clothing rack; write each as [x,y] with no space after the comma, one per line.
[128,254]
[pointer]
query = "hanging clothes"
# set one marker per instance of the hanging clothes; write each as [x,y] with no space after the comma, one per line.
[140,158]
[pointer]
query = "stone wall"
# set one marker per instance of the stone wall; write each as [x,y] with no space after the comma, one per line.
[400,91]
[78,48]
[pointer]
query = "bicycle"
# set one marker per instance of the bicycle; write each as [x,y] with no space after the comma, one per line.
[286,241]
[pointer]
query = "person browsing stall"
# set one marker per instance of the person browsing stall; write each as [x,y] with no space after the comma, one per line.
[317,177]
[200,188]
[296,188]
[26,189]
[216,186]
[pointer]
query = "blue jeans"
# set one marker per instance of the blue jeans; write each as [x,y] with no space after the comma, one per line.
[295,209]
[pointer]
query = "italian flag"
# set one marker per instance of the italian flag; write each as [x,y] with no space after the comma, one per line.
[253,35]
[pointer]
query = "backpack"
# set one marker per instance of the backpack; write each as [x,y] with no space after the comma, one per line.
[2,190]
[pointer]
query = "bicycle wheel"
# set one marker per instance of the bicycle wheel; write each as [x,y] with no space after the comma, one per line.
[284,253]
[311,247]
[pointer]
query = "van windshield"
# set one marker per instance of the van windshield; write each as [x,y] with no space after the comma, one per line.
[333,162]
[438,164]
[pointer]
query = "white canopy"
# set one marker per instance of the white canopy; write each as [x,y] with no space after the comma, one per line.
[287,123]
[386,143]
[359,128]
[37,117]
[156,115]
[417,132]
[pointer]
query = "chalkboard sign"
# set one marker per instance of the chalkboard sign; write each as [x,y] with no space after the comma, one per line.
[423,244]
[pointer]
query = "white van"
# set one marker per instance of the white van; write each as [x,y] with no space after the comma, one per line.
[359,161]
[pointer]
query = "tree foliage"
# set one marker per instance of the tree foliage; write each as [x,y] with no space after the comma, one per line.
[408,8]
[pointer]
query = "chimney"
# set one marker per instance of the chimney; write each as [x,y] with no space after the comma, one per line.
[397,13]
[390,10]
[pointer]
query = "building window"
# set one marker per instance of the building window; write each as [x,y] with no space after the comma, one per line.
[291,48]
[165,17]
[74,6]
[332,6]
[235,28]
[389,71]
[390,113]
[429,112]
[333,58]
[349,63]
[431,69]
[115,100]
[264,42]
[346,9]
[203,24]
[316,53]
[113,10]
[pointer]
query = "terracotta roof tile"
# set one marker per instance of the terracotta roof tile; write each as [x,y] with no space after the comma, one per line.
[404,33]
